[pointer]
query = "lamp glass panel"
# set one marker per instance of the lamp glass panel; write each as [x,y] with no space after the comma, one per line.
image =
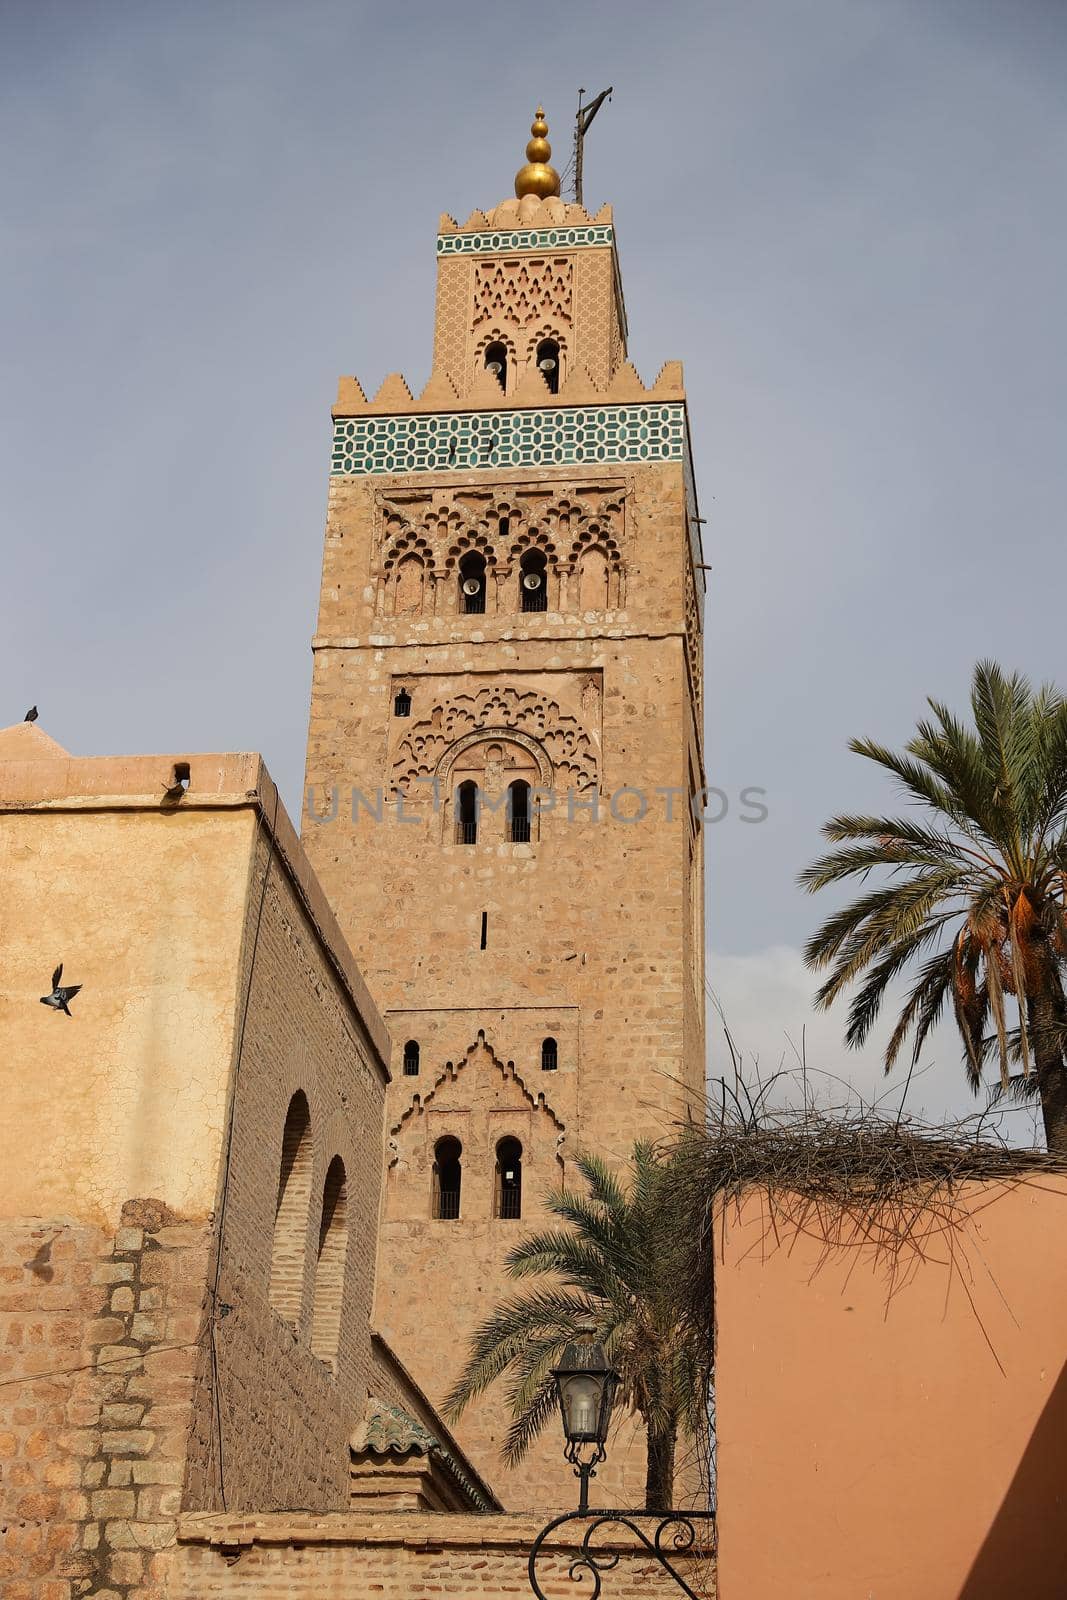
[581,1406]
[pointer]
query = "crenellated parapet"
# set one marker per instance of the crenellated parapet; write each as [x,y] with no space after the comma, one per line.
[529,216]
[440,394]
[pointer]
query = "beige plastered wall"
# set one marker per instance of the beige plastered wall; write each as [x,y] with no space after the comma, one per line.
[128,1096]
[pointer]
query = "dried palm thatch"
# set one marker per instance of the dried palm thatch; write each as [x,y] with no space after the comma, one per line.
[847,1176]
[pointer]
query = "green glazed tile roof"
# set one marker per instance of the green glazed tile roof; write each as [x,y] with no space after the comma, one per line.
[389,1430]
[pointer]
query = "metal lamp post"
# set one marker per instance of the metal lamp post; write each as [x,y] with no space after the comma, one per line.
[586,1386]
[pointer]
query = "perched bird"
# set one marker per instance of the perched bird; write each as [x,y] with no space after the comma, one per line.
[31,715]
[60,995]
[173,792]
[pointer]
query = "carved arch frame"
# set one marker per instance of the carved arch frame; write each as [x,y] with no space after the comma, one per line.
[559,338]
[497,335]
[532,536]
[493,735]
[411,542]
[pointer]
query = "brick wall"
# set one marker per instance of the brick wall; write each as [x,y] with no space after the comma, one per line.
[280,1435]
[404,1555]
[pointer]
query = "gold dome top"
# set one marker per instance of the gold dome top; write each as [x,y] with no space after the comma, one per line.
[537,177]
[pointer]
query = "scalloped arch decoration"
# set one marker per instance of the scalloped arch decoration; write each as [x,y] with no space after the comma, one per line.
[548,331]
[525,717]
[592,537]
[480,1051]
[408,543]
[525,741]
[471,539]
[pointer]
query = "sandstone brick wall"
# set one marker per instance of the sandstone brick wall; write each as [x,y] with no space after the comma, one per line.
[287,1411]
[403,1555]
[593,929]
[99,1341]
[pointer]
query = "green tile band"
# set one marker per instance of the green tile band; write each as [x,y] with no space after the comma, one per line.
[458,441]
[492,243]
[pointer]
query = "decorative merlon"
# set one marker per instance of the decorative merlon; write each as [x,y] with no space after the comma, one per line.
[528,214]
[578,388]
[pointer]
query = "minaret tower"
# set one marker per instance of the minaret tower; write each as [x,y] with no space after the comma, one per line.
[505,735]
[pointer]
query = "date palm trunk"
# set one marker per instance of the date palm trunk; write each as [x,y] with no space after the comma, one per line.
[659,1479]
[1046,1025]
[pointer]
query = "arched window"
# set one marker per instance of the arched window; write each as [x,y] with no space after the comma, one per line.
[533,581]
[411,1059]
[410,582]
[593,581]
[547,359]
[402,704]
[467,813]
[286,1292]
[508,1178]
[330,1266]
[472,584]
[549,1055]
[519,811]
[447,1178]
[496,362]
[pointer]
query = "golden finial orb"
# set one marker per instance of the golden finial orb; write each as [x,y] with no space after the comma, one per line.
[537,177]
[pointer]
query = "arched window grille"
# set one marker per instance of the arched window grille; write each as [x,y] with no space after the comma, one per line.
[467,813]
[447,1178]
[549,1055]
[402,704]
[286,1292]
[330,1265]
[547,359]
[509,1178]
[533,581]
[518,810]
[411,1059]
[496,362]
[472,584]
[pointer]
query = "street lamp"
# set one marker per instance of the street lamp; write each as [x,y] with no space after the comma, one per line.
[586,1388]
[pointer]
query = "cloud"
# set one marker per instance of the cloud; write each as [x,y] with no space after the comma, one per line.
[766,997]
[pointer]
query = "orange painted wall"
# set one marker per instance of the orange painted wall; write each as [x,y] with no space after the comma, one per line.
[895,1441]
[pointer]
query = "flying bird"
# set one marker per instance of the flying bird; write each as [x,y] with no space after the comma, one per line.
[60,994]
[31,715]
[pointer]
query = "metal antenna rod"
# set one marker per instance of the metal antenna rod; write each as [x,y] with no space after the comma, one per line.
[581,127]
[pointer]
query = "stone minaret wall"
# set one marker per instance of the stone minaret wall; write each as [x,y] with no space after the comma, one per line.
[589,933]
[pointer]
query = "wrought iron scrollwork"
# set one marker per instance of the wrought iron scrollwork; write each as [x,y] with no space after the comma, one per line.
[675,1534]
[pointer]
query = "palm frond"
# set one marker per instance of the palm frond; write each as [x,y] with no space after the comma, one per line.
[982,863]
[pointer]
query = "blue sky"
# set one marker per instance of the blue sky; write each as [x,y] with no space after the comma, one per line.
[846,218]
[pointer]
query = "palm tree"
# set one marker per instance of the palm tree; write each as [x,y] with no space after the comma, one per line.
[614,1270]
[975,894]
